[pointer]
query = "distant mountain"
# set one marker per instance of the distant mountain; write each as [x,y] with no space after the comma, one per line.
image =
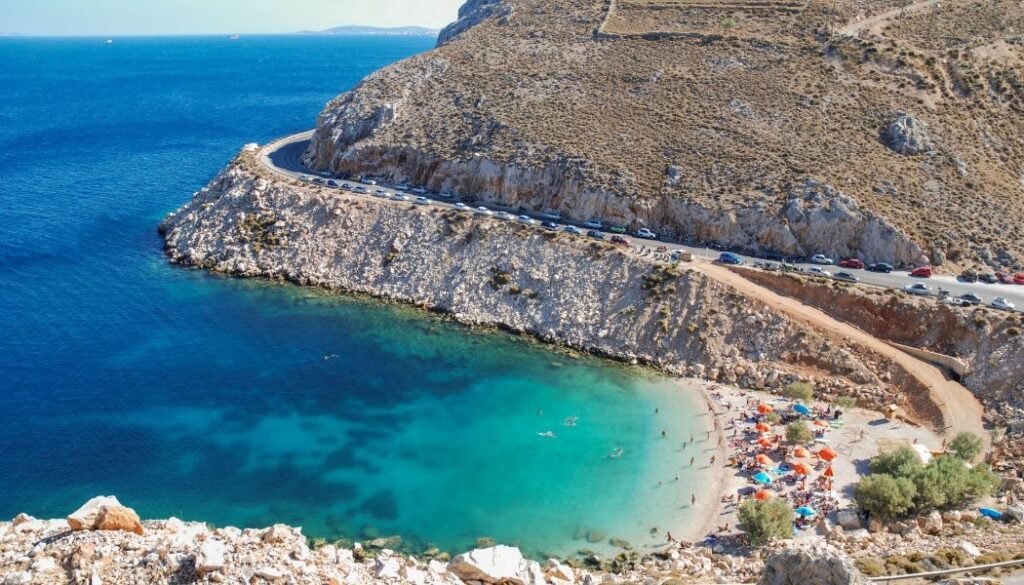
[417,31]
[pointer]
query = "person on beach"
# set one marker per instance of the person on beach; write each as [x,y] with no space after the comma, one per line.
[692,459]
[664,433]
[669,536]
[693,499]
[712,460]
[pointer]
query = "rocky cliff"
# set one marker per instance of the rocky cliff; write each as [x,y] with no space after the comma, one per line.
[484,271]
[753,127]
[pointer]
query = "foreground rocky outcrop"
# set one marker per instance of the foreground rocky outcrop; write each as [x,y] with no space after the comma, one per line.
[560,288]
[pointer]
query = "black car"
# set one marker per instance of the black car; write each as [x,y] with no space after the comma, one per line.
[595,234]
[968,276]
[332,183]
[970,299]
[880,267]
[988,277]
[549,225]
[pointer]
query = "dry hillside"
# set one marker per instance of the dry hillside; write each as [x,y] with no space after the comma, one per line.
[891,130]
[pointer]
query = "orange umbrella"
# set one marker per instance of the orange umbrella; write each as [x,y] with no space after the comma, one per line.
[801,452]
[828,454]
[820,423]
[829,472]
[762,495]
[764,442]
[802,468]
[764,408]
[763,459]
[761,427]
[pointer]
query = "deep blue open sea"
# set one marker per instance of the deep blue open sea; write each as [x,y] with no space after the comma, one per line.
[248,403]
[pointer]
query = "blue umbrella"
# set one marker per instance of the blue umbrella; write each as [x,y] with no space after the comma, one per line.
[801,408]
[993,514]
[762,477]
[806,511]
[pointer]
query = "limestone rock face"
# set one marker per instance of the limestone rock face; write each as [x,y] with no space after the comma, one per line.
[470,14]
[908,135]
[500,565]
[816,565]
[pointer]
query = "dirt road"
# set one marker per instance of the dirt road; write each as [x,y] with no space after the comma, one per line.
[876,22]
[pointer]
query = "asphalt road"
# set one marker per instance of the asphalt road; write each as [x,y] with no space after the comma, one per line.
[283,157]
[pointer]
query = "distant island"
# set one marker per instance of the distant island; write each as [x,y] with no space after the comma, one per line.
[417,31]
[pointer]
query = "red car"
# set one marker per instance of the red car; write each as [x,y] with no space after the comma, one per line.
[1003,277]
[856,263]
[922,272]
[1019,279]
[620,240]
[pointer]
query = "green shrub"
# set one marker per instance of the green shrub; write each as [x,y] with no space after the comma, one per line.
[799,391]
[797,432]
[845,401]
[902,462]
[765,521]
[966,446]
[773,418]
[885,496]
[870,566]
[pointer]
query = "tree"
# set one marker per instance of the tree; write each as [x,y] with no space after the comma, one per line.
[903,462]
[885,496]
[799,391]
[966,446]
[797,432]
[767,520]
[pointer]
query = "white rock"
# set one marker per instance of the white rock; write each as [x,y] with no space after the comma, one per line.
[969,548]
[44,564]
[559,572]
[269,573]
[497,564]
[85,517]
[386,568]
[18,578]
[210,557]
[278,533]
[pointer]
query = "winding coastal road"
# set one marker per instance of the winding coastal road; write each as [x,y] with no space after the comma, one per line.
[283,157]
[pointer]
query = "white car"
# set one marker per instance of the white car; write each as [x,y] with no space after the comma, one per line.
[419,190]
[369,181]
[1001,303]
[552,215]
[380,192]
[594,224]
[573,230]
[822,259]
[400,197]
[422,201]
[917,289]
[646,234]
[526,219]
[482,211]
[305,178]
[815,271]
[504,215]
[460,206]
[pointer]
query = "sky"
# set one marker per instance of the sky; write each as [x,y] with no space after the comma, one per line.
[169,17]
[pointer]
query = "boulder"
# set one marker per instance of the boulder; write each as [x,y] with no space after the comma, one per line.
[559,573]
[849,519]
[907,135]
[209,557]
[23,523]
[118,518]
[500,565]
[84,518]
[278,534]
[969,548]
[818,564]
[932,523]
[1015,513]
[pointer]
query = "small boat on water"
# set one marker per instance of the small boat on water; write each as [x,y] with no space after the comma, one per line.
[234,37]
[110,41]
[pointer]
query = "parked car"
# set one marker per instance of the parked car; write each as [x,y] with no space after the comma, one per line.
[845,277]
[730,258]
[422,201]
[526,219]
[346,186]
[594,224]
[1019,279]
[552,215]
[505,216]
[380,193]
[332,183]
[617,229]
[549,225]
[571,229]
[646,234]
[1004,277]
[821,259]
[922,272]
[880,267]
[418,190]
[1001,303]
[621,241]
[446,195]
[968,276]
[402,187]
[818,271]
[369,182]
[460,206]
[854,263]
[595,234]
[400,197]
[775,256]
[969,299]
[917,289]
[988,277]
[482,211]
[318,181]
[305,178]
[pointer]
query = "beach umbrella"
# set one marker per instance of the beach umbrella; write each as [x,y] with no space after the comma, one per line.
[801,408]
[762,477]
[763,459]
[806,511]
[765,409]
[761,427]
[762,495]
[828,454]
[801,452]
[802,468]
[820,423]
[829,472]
[764,442]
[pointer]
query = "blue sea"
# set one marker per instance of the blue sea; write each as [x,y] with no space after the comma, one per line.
[249,403]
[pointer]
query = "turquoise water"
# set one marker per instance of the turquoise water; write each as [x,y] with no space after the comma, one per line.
[246,403]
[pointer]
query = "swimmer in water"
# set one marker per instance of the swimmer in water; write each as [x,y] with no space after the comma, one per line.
[547,434]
